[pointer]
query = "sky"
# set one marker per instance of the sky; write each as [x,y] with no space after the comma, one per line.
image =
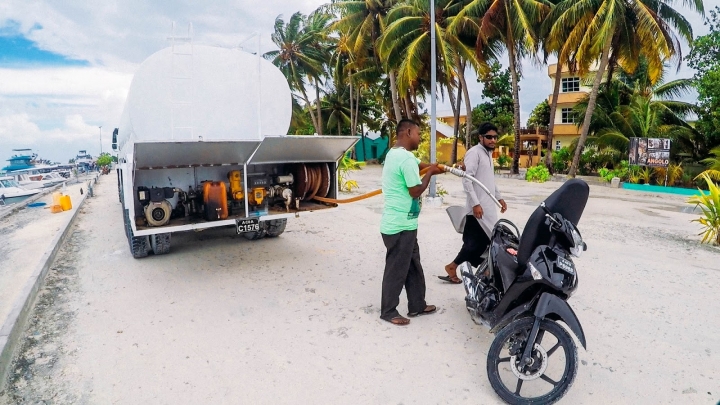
[65,67]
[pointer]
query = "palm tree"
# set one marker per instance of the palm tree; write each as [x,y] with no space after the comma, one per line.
[335,108]
[555,41]
[364,21]
[317,24]
[301,56]
[405,47]
[618,33]
[629,106]
[713,165]
[512,25]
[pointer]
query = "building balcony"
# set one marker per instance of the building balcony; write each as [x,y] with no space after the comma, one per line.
[566,129]
[569,98]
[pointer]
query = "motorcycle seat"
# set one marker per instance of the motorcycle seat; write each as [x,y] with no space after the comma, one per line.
[569,201]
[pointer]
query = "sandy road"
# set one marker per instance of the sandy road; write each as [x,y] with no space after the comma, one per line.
[295,319]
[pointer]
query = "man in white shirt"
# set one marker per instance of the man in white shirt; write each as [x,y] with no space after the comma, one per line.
[480,209]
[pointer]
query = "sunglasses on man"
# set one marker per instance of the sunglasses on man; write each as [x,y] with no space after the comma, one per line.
[490,137]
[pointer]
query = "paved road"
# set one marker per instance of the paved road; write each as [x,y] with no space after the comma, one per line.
[294,320]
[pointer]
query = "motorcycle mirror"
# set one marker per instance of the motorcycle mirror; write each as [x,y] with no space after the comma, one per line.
[544,207]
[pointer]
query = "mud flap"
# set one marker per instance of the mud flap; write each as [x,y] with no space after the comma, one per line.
[552,307]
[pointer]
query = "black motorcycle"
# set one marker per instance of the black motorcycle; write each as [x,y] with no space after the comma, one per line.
[520,292]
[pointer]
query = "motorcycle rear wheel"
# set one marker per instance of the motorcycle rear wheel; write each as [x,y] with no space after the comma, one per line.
[549,368]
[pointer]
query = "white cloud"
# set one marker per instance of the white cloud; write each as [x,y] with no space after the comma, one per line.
[59,110]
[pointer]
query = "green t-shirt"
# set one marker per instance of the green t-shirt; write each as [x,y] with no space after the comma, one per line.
[399,174]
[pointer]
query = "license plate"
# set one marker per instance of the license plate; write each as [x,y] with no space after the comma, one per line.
[248,225]
[566,265]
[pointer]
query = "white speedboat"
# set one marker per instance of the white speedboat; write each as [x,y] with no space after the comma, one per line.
[11,192]
[30,179]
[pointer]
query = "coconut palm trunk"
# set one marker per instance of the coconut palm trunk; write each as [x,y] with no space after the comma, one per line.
[516,106]
[553,111]
[457,105]
[592,102]
[319,127]
[352,109]
[406,100]
[394,95]
[468,107]
[310,109]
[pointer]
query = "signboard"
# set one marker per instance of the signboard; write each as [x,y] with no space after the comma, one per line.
[653,152]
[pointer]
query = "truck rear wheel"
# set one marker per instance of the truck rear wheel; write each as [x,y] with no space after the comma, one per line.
[256,235]
[138,244]
[275,227]
[160,243]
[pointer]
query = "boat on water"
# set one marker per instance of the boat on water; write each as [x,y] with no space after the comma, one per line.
[83,160]
[34,178]
[22,159]
[11,192]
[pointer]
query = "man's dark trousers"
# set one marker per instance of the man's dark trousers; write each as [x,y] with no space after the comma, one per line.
[402,268]
[475,241]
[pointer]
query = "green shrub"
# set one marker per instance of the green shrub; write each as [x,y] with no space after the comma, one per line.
[538,174]
[606,174]
[561,160]
[622,171]
[504,160]
[710,205]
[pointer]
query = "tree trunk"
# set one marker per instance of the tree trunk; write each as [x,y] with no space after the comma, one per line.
[516,108]
[317,101]
[468,107]
[362,141]
[456,127]
[592,101]
[352,110]
[415,102]
[310,110]
[357,111]
[394,95]
[406,100]
[553,111]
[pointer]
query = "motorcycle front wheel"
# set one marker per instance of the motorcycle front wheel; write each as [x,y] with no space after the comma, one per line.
[552,368]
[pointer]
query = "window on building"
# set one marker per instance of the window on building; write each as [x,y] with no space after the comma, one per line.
[568,116]
[558,145]
[570,84]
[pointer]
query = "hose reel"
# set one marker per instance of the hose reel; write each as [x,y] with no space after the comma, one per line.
[311,180]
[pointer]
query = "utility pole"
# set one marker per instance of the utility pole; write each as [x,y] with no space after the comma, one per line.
[100,127]
[433,83]
[433,199]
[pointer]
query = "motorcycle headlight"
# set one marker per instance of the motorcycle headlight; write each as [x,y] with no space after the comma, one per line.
[577,250]
[578,244]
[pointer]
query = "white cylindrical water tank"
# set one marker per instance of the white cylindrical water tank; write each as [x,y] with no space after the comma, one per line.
[204,93]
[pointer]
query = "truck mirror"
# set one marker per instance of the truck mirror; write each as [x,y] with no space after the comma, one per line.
[114,139]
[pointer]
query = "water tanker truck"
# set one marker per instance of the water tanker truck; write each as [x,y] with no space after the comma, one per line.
[201,144]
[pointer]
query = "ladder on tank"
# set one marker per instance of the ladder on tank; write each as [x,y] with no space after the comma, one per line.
[181,85]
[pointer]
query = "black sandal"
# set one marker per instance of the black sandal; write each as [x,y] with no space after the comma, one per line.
[430,309]
[450,279]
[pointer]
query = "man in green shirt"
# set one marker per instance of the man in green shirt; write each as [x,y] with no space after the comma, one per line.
[402,188]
